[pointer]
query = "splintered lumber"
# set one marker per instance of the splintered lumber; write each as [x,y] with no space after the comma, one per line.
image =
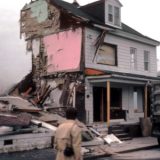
[45,125]
[22,119]
[95,132]
[29,110]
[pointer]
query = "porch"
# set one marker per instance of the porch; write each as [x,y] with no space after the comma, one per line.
[117,96]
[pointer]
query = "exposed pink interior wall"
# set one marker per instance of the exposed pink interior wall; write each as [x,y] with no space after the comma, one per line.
[64,50]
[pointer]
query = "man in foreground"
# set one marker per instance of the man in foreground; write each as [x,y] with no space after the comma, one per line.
[68,138]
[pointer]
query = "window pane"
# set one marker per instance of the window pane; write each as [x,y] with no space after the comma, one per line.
[110,17]
[146,67]
[146,60]
[116,16]
[146,56]
[110,9]
[110,13]
[133,58]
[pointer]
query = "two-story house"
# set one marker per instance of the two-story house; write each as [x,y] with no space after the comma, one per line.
[95,62]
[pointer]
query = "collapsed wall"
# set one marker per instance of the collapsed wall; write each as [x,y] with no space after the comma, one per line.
[50,31]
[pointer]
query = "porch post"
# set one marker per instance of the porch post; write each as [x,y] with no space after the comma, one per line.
[108,103]
[145,101]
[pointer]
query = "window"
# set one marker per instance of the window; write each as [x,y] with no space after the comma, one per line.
[107,54]
[117,16]
[146,60]
[114,15]
[110,13]
[138,99]
[133,58]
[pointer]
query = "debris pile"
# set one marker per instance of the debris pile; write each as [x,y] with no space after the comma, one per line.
[24,123]
[33,109]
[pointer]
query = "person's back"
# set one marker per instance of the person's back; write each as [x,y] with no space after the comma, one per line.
[68,134]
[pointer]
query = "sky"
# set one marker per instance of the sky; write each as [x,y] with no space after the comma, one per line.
[15,63]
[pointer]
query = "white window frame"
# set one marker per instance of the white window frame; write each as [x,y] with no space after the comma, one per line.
[133,58]
[146,60]
[113,16]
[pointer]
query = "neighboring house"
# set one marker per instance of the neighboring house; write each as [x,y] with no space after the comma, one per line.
[100,65]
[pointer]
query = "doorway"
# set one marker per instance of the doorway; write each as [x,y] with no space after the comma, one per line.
[100,104]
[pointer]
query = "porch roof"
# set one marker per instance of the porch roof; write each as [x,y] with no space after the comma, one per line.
[123,78]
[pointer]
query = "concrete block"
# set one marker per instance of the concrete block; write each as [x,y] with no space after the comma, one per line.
[22,142]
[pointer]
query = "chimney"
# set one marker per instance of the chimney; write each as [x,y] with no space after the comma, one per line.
[76,4]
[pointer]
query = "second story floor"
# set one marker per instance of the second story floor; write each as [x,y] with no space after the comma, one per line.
[109,51]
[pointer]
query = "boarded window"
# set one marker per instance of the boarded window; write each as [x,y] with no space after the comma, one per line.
[107,54]
[133,58]
[146,60]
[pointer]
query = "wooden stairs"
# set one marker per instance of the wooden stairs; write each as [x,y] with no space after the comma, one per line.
[119,132]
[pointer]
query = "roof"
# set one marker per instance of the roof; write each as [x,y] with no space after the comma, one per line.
[73,9]
[122,77]
[91,14]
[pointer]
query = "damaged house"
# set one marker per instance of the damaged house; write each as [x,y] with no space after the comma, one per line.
[87,58]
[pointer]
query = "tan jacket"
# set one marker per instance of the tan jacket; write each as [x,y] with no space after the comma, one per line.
[63,136]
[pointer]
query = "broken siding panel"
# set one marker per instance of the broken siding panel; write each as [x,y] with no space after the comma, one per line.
[123,54]
[64,51]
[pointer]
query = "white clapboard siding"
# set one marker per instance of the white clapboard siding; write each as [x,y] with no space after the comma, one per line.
[123,54]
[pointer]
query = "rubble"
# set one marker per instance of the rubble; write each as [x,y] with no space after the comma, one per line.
[38,123]
[22,119]
[32,116]
[110,138]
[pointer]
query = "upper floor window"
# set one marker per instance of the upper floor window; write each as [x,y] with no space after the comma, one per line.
[146,60]
[133,58]
[107,54]
[110,13]
[114,15]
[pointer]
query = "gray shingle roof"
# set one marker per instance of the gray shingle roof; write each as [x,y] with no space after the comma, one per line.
[86,13]
[74,10]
